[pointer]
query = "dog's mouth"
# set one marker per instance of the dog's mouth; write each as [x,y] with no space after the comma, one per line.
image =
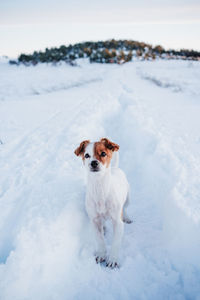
[94,170]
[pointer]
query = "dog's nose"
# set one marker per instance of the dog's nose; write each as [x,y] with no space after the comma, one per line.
[94,163]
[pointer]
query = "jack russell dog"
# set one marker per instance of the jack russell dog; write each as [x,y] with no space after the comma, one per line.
[107,195]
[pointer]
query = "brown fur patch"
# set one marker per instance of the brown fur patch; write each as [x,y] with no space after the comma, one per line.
[81,149]
[110,145]
[104,146]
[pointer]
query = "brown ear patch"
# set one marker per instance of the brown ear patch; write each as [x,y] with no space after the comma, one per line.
[110,145]
[81,149]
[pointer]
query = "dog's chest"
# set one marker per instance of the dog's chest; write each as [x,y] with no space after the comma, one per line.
[97,197]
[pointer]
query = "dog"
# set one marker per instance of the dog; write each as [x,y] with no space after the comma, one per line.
[107,195]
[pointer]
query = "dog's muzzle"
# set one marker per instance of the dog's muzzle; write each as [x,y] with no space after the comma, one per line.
[94,166]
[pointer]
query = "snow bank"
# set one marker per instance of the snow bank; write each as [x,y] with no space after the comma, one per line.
[44,78]
[184,77]
[46,243]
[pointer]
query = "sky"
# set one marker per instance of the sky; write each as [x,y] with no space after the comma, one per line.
[27,25]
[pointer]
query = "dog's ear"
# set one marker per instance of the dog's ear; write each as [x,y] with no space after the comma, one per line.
[81,149]
[110,145]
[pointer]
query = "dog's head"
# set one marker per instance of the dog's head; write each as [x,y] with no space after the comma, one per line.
[96,156]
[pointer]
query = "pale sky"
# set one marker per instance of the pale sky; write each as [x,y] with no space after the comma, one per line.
[27,25]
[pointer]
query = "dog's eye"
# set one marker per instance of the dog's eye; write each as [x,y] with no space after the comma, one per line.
[103,154]
[87,155]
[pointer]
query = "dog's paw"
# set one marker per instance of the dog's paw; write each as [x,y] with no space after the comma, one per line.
[127,220]
[112,264]
[100,256]
[100,259]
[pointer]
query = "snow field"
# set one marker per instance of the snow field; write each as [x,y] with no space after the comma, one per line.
[46,243]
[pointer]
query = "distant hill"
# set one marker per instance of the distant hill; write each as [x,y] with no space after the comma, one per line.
[111,51]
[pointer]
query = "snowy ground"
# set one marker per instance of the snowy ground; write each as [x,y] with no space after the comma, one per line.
[152,110]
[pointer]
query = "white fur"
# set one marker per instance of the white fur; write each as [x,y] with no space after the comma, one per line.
[107,192]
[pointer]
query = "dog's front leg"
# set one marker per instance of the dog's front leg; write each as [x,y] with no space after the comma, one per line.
[118,229]
[99,234]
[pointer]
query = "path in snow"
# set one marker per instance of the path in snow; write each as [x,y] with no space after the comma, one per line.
[46,245]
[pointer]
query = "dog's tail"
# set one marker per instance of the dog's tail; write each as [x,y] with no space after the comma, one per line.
[115,160]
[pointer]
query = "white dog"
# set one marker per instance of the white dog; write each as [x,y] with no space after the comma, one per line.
[107,195]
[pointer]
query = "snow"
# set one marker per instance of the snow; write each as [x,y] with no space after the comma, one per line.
[151,109]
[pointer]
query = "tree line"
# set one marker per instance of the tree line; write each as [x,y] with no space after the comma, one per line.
[111,51]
